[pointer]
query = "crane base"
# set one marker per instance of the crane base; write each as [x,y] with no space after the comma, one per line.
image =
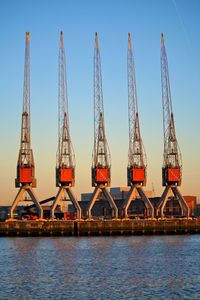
[71,197]
[130,198]
[18,198]
[185,211]
[108,197]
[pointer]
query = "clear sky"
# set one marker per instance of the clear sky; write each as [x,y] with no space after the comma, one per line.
[112,19]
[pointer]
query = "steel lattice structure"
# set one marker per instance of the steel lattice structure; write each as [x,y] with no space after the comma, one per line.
[101,162]
[137,156]
[25,164]
[136,171]
[101,153]
[65,168]
[25,158]
[172,154]
[65,154]
[172,165]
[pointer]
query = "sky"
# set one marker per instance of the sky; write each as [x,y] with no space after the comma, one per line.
[112,19]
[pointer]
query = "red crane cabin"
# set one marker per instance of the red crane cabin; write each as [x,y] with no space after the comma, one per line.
[102,175]
[173,175]
[138,174]
[66,175]
[25,175]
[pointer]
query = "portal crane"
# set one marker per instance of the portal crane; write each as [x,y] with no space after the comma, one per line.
[136,170]
[101,165]
[65,168]
[25,164]
[172,163]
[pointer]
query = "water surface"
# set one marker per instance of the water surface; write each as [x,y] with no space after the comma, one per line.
[135,267]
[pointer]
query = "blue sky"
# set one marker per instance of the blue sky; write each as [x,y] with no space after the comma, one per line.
[145,19]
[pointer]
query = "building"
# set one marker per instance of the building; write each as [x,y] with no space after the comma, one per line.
[136,208]
[192,204]
[116,193]
[102,208]
[5,212]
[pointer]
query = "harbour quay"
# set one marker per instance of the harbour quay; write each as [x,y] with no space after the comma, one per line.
[99,227]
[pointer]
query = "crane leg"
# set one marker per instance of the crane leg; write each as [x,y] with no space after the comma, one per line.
[75,202]
[184,207]
[185,211]
[146,201]
[128,200]
[71,197]
[163,201]
[16,201]
[110,201]
[92,201]
[55,203]
[33,197]
[35,201]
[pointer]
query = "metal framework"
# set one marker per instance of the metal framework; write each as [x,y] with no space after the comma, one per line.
[101,164]
[136,170]
[65,168]
[25,165]
[172,164]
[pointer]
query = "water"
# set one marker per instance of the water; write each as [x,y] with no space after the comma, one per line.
[135,267]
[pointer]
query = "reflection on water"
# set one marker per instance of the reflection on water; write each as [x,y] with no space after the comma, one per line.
[136,267]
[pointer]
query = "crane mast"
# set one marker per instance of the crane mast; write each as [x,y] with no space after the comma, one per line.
[101,155]
[101,163]
[65,154]
[172,164]
[136,170]
[172,157]
[25,165]
[137,156]
[65,165]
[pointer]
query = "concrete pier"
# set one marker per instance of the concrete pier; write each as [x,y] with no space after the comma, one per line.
[99,227]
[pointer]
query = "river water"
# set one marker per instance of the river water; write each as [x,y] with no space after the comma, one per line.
[135,267]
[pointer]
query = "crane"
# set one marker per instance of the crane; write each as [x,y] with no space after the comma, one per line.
[172,162]
[25,165]
[65,168]
[101,165]
[136,170]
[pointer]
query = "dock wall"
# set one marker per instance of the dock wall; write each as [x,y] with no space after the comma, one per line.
[98,228]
